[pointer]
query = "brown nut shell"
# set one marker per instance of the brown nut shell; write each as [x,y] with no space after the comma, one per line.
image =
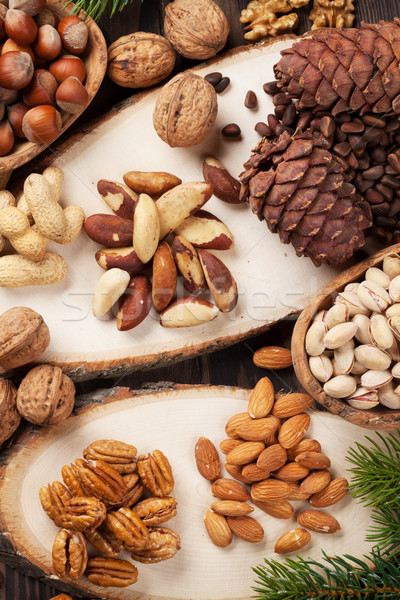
[220,281]
[9,415]
[23,336]
[135,304]
[225,187]
[188,264]
[164,277]
[109,230]
[205,230]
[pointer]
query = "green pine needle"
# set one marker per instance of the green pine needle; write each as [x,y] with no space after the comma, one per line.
[95,8]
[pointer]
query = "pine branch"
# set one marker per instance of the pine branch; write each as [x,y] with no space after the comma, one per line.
[386,533]
[337,578]
[95,8]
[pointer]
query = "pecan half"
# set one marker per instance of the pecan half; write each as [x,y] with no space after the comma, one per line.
[153,511]
[104,541]
[135,490]
[164,544]
[121,456]
[53,498]
[113,572]
[102,480]
[71,481]
[82,513]
[69,554]
[156,473]
[127,528]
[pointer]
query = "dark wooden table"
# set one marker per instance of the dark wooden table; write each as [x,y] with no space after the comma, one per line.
[231,366]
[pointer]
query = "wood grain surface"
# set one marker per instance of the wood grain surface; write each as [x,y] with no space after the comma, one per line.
[231,366]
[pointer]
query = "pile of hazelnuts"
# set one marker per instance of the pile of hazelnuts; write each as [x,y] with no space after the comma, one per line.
[41,73]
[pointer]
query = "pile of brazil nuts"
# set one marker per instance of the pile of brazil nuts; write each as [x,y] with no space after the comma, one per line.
[150,207]
[353,347]
[266,450]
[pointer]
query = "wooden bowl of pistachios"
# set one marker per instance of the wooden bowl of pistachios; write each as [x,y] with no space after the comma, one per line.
[346,343]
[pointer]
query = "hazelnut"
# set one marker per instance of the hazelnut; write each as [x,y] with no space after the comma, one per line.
[196,29]
[45,396]
[41,89]
[23,336]
[20,27]
[6,138]
[3,12]
[16,70]
[15,115]
[42,124]
[9,96]
[47,17]
[140,60]
[185,110]
[48,43]
[74,34]
[72,95]
[10,417]
[32,7]
[11,46]
[68,66]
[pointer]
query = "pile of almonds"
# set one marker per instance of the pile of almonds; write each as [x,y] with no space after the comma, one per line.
[39,70]
[101,502]
[353,347]
[148,209]
[266,450]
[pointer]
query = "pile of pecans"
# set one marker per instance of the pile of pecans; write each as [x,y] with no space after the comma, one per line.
[100,502]
[266,450]
[353,347]
[367,146]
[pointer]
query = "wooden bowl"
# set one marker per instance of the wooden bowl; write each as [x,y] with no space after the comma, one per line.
[95,59]
[375,418]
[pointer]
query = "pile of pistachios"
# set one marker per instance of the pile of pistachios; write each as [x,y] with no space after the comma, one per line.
[353,347]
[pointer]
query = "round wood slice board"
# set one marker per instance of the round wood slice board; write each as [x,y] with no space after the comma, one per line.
[272,281]
[172,421]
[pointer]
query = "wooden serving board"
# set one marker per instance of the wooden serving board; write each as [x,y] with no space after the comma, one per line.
[272,281]
[171,419]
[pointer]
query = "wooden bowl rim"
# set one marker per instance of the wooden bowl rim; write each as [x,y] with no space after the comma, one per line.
[385,418]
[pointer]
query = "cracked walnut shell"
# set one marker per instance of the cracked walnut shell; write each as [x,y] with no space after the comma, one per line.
[185,110]
[23,336]
[196,28]
[140,60]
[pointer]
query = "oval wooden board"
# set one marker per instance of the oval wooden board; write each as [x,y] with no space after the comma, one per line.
[171,421]
[272,281]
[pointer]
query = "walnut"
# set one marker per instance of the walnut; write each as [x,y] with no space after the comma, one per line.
[23,336]
[45,396]
[196,28]
[9,416]
[332,13]
[263,20]
[140,60]
[185,110]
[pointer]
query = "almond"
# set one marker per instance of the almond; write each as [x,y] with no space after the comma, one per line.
[257,429]
[315,482]
[218,529]
[271,439]
[236,472]
[333,493]
[313,460]
[231,508]
[254,473]
[270,489]
[245,453]
[306,445]
[273,357]
[280,509]
[261,399]
[228,489]
[293,430]
[272,458]
[295,493]
[246,528]
[234,422]
[291,405]
[229,444]
[207,459]
[319,521]
[292,471]
[292,540]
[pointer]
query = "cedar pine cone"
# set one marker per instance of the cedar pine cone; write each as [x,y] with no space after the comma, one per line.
[300,189]
[345,69]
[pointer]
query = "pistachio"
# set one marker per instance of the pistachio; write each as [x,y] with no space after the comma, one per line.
[344,358]
[380,332]
[373,379]
[372,357]
[393,310]
[377,275]
[335,369]
[338,313]
[362,334]
[340,386]
[354,303]
[396,371]
[320,316]
[363,399]
[373,296]
[391,265]
[315,338]
[394,324]
[339,335]
[321,367]
[388,396]
[351,287]
[358,369]
[394,289]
